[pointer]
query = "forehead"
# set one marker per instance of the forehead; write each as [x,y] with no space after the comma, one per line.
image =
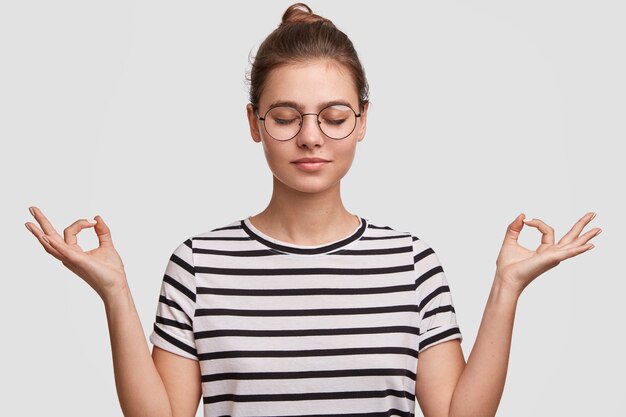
[309,86]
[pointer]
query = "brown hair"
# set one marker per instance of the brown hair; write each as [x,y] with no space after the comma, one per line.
[301,36]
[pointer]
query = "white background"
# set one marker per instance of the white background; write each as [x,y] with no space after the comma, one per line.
[135,110]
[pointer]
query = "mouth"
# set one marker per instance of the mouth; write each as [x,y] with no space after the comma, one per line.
[310,160]
[310,164]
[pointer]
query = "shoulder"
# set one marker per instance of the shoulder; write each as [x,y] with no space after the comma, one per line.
[225,231]
[382,228]
[424,256]
[379,227]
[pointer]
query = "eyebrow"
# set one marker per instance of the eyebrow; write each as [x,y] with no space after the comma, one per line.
[300,106]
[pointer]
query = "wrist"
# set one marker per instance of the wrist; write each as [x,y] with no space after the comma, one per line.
[504,289]
[115,293]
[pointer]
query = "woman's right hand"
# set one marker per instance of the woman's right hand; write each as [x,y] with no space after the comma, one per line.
[101,268]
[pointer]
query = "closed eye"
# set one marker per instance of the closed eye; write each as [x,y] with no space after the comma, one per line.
[284,121]
[335,122]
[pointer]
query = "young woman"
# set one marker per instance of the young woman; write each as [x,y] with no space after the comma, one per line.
[306,308]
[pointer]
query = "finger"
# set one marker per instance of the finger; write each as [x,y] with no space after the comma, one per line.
[581,240]
[40,236]
[65,252]
[514,229]
[70,233]
[539,264]
[547,232]
[576,250]
[103,232]
[46,226]
[577,228]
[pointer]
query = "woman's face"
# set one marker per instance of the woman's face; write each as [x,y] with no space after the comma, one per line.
[310,85]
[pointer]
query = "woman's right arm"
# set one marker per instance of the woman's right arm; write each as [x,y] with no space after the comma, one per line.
[163,384]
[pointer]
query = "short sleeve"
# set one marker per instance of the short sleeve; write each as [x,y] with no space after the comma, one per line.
[438,321]
[173,325]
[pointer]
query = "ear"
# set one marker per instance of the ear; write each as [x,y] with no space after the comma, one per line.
[254,123]
[362,122]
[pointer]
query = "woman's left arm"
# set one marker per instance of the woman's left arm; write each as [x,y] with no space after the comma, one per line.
[445,385]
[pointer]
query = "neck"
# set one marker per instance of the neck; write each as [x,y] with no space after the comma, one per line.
[307,219]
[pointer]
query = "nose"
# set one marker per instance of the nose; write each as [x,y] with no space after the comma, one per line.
[310,133]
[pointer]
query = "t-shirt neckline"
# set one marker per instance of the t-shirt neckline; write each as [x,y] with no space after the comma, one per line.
[288,247]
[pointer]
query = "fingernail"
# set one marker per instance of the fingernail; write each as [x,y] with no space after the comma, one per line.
[32,212]
[598,232]
[591,247]
[91,221]
[28,227]
[592,216]
[44,237]
[528,220]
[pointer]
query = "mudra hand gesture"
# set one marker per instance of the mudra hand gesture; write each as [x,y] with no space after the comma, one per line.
[517,266]
[101,268]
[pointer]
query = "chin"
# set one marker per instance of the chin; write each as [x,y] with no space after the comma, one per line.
[310,185]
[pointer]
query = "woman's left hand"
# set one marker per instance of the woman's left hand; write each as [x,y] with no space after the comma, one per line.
[517,266]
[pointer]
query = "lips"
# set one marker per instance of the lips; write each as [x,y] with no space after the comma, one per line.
[310,164]
[309,160]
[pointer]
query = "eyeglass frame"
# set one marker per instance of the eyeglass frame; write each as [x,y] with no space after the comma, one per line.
[319,123]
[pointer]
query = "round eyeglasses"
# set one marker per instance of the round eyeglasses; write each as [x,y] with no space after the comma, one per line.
[336,121]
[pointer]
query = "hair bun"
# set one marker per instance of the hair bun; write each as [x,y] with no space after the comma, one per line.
[301,13]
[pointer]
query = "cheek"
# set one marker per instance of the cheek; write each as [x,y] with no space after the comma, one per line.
[266,150]
[270,147]
[346,153]
[274,155]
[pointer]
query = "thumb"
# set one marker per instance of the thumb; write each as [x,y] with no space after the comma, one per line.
[103,232]
[514,228]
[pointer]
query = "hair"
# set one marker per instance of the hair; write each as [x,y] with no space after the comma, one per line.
[302,36]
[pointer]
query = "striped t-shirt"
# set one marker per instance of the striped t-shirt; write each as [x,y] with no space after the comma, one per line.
[282,329]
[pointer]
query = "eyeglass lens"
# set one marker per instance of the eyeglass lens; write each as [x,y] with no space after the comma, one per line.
[283,123]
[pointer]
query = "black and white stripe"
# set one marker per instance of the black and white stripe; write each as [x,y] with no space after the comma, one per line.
[283,329]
